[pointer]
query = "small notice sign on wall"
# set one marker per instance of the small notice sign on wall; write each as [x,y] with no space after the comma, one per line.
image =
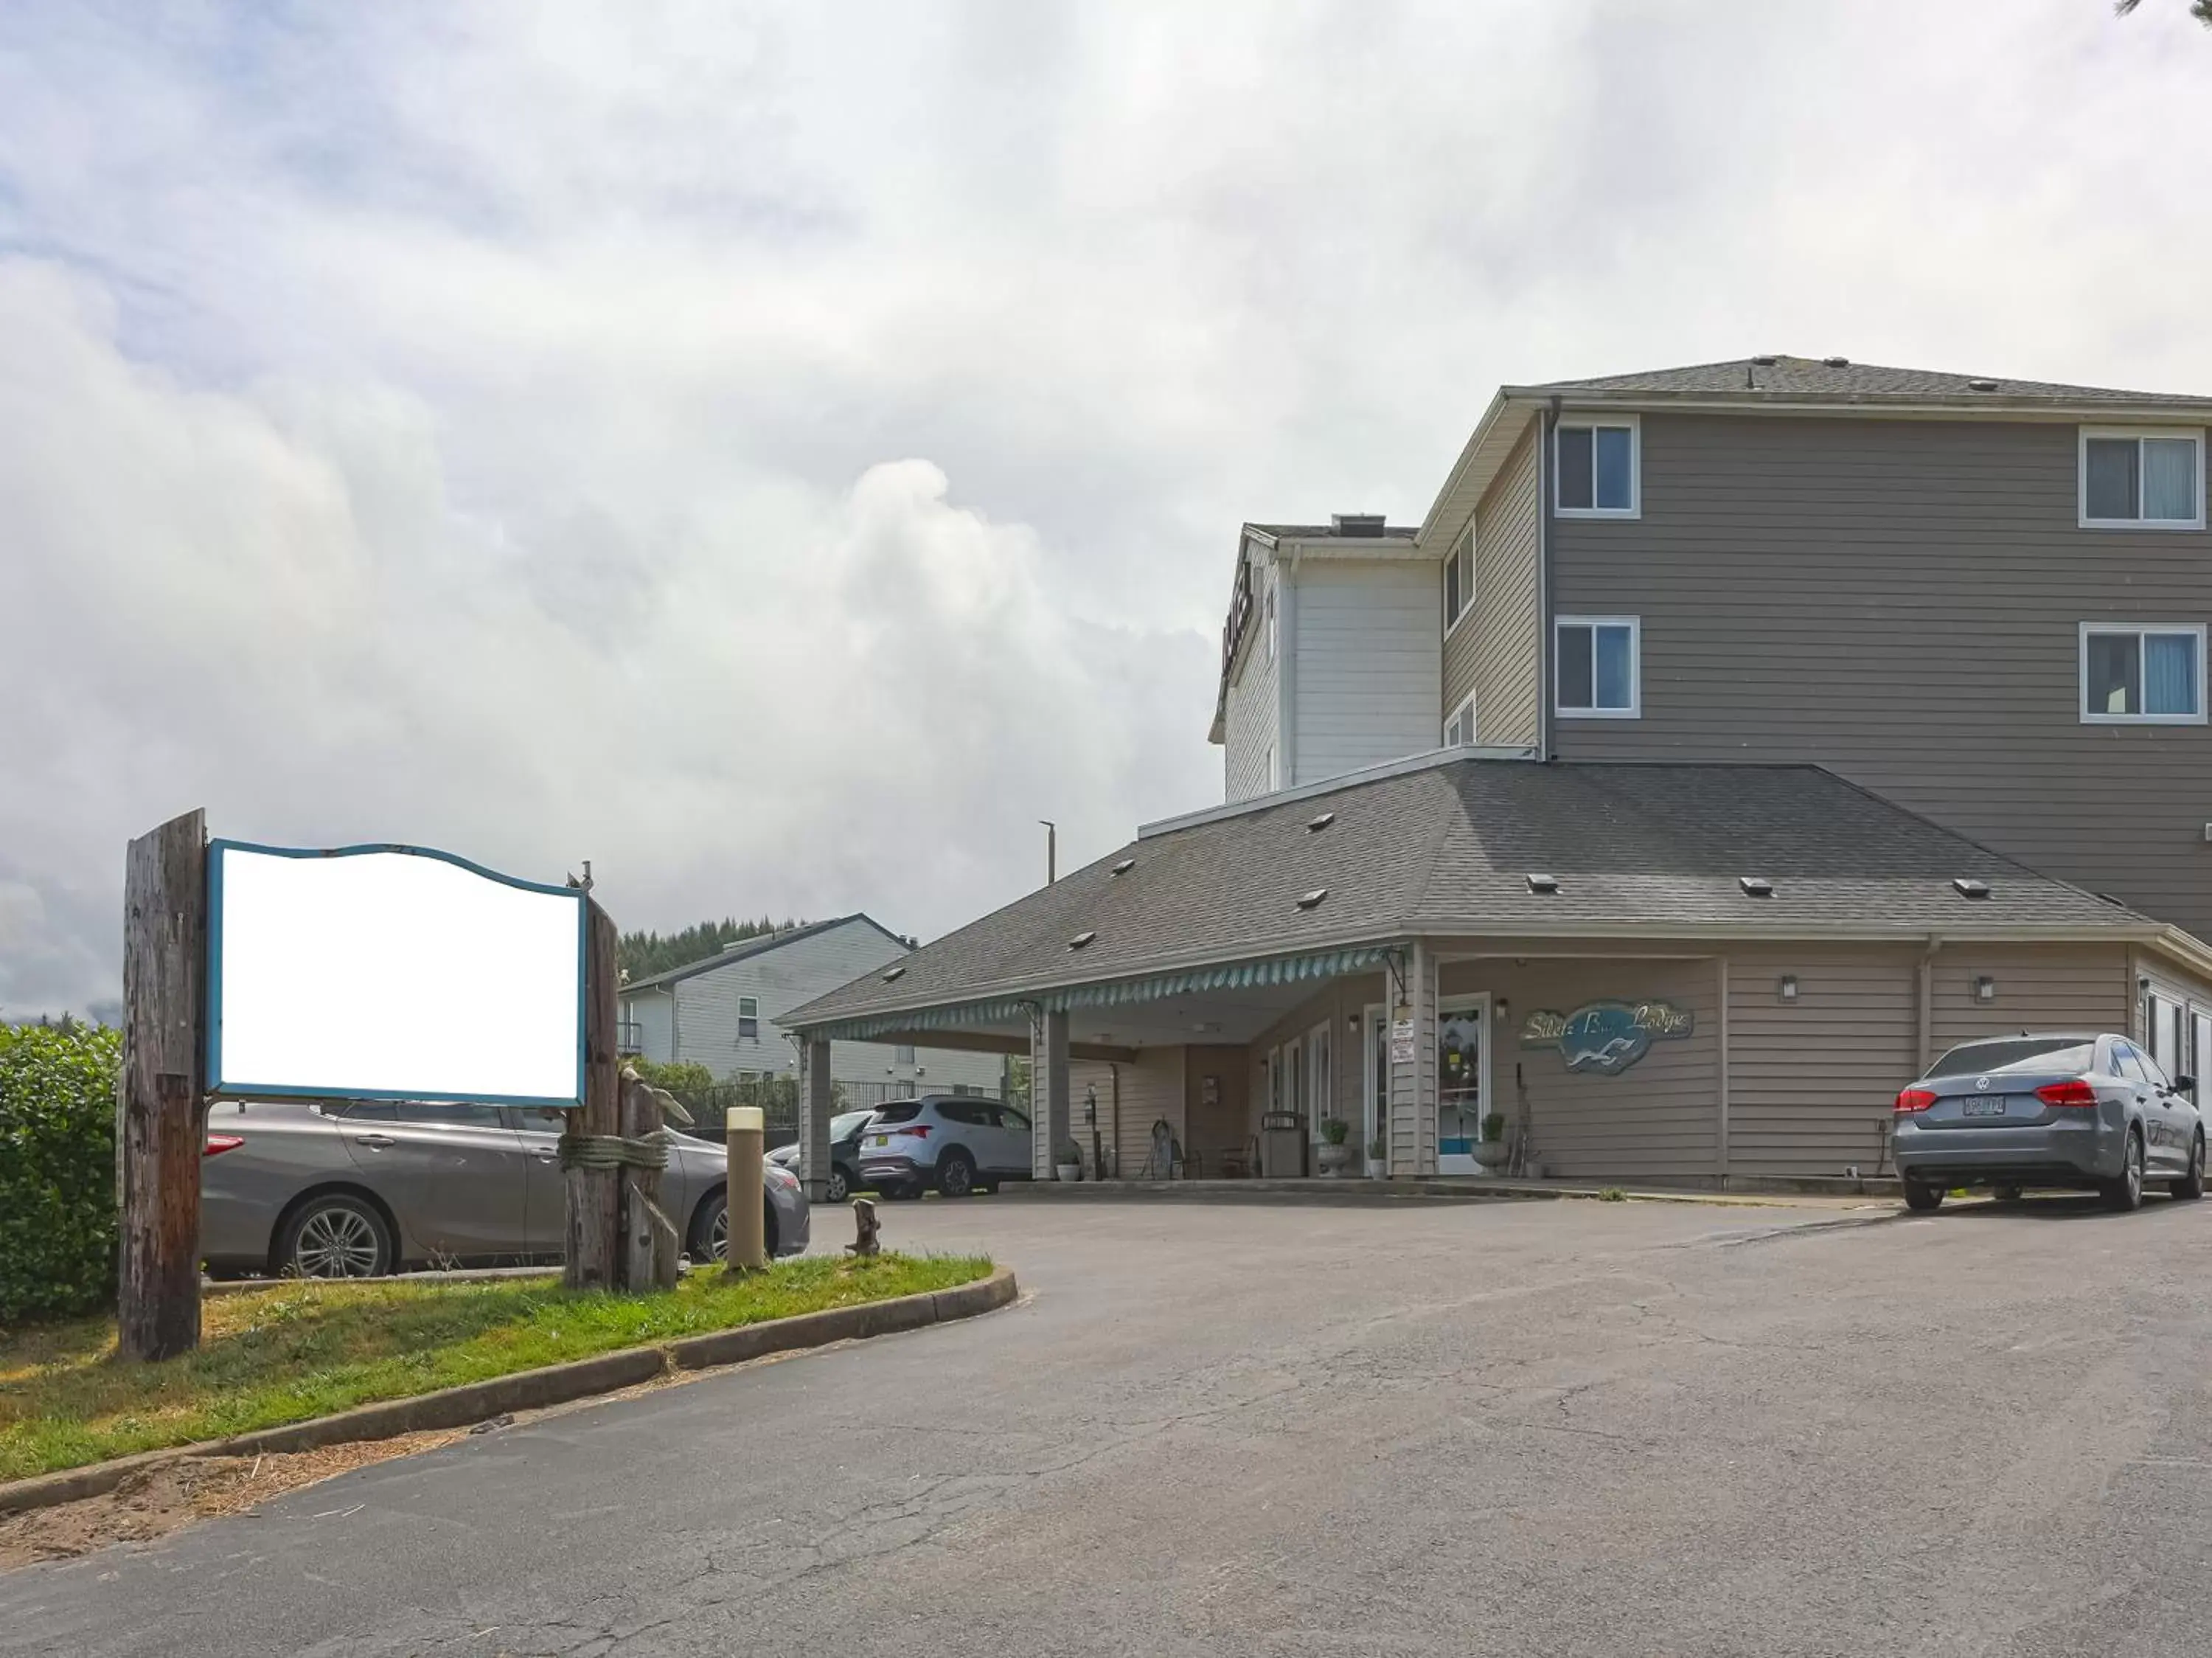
[1402,1047]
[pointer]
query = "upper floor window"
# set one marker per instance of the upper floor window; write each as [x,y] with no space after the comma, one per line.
[1271,616]
[902,1053]
[748,1019]
[1459,580]
[2141,674]
[2146,477]
[1459,730]
[1596,668]
[1596,464]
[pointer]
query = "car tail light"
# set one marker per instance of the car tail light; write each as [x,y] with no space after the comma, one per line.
[219,1144]
[920,1130]
[1916,1100]
[2076,1093]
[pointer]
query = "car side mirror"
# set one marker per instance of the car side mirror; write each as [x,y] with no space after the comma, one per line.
[2186,1085]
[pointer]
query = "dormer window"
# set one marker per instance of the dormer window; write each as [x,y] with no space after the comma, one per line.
[1596,464]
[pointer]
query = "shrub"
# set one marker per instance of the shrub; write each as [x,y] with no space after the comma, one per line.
[688,1077]
[56,1169]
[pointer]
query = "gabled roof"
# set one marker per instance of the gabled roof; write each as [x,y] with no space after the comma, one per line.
[1274,532]
[748,949]
[1795,378]
[1446,845]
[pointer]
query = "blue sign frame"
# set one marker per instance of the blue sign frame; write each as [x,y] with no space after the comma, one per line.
[219,1086]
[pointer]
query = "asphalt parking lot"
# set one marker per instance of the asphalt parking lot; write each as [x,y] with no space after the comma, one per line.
[1562,1428]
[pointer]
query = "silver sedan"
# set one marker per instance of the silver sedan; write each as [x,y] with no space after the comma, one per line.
[362,1188]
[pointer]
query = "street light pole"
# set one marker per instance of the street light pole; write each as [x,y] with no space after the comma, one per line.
[1051,850]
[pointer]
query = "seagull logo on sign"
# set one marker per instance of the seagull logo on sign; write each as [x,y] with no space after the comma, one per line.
[1981,1085]
[1607,1036]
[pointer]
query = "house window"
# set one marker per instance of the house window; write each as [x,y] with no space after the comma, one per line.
[903,1054]
[1459,730]
[2165,1035]
[1459,580]
[1320,1103]
[2141,675]
[2142,479]
[748,1019]
[1271,616]
[1597,668]
[1596,464]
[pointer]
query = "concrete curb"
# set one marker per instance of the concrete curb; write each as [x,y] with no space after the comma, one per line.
[530,1390]
[1355,1191]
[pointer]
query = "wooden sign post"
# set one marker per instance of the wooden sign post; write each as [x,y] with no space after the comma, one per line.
[160,1108]
[595,1190]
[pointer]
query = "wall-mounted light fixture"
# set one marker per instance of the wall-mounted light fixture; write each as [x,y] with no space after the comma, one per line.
[1505,1010]
[1786,990]
[1985,988]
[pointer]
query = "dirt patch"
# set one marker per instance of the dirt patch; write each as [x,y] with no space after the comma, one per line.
[160,1500]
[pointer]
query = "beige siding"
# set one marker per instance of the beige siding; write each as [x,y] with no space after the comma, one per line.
[1132,1097]
[1253,719]
[1210,1131]
[1494,651]
[1364,686]
[1901,601]
[2194,997]
[1811,1082]
[1657,1121]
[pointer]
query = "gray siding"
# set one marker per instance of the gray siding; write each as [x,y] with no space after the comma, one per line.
[1254,713]
[1364,689]
[2058,987]
[1901,601]
[1494,652]
[656,1034]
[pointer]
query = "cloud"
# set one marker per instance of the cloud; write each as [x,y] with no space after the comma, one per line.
[779,452]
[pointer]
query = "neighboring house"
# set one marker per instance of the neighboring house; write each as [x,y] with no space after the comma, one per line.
[1723,742]
[722,1012]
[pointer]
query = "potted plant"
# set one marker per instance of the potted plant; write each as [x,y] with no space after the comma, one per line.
[1378,1158]
[1067,1161]
[1491,1151]
[1335,1152]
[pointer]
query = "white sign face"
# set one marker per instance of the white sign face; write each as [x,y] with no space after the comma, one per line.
[389,973]
[1403,1046]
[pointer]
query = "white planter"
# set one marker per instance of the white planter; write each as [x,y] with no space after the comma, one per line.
[1333,1159]
[1492,1155]
[1378,1169]
[1070,1173]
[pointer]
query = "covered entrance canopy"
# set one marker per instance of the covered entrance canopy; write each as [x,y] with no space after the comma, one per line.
[1256,926]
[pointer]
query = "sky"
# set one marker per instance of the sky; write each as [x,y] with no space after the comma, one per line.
[779,453]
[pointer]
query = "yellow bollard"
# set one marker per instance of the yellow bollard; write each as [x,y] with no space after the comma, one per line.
[748,1248]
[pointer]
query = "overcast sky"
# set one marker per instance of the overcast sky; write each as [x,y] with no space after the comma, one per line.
[779,452]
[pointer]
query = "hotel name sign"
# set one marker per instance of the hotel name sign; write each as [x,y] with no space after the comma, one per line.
[1607,1036]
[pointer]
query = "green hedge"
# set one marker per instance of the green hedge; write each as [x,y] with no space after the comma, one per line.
[57,1170]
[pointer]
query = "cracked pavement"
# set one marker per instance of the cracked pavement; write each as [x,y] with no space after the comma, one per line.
[1564,1427]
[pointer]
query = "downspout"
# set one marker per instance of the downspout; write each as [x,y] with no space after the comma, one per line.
[1546,422]
[1927,989]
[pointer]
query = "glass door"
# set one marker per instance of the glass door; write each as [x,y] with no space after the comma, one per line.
[1462,1081]
[1375,1024]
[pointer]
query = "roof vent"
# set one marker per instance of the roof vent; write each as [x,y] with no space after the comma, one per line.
[1315,826]
[1767,362]
[2106,897]
[1080,940]
[1755,886]
[1368,524]
[1969,888]
[1123,867]
[1981,385]
[1543,883]
[1836,362]
[1312,900]
[895,973]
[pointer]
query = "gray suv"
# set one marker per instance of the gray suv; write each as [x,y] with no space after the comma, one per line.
[360,1189]
[2087,1112]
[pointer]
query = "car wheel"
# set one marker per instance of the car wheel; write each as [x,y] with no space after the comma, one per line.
[2005,1194]
[2190,1187]
[955,1174]
[840,1186]
[1922,1198]
[710,1229]
[337,1235]
[2126,1193]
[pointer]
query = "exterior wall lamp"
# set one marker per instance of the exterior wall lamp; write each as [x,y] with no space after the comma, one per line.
[1786,990]
[1985,988]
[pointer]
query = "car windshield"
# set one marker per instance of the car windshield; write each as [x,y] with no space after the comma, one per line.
[847,1123]
[2017,1053]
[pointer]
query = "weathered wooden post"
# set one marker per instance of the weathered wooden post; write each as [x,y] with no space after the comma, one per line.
[594,1190]
[161,1110]
[649,1244]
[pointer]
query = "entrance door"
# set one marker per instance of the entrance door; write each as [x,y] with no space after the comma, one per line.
[1462,1081]
[1377,1089]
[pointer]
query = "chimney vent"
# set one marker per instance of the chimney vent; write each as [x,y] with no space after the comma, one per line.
[1836,362]
[1368,524]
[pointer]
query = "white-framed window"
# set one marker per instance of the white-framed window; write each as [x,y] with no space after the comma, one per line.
[1459,730]
[1320,1099]
[1459,580]
[1597,465]
[1270,618]
[2142,673]
[748,1019]
[2142,477]
[1597,668]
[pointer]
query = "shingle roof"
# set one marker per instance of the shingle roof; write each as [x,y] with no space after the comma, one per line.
[1334,533]
[752,947]
[1813,377]
[1448,848]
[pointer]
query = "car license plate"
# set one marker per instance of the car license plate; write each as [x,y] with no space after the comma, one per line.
[1994,1106]
[879,1139]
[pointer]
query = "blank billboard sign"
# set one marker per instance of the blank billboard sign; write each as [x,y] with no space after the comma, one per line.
[390,973]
